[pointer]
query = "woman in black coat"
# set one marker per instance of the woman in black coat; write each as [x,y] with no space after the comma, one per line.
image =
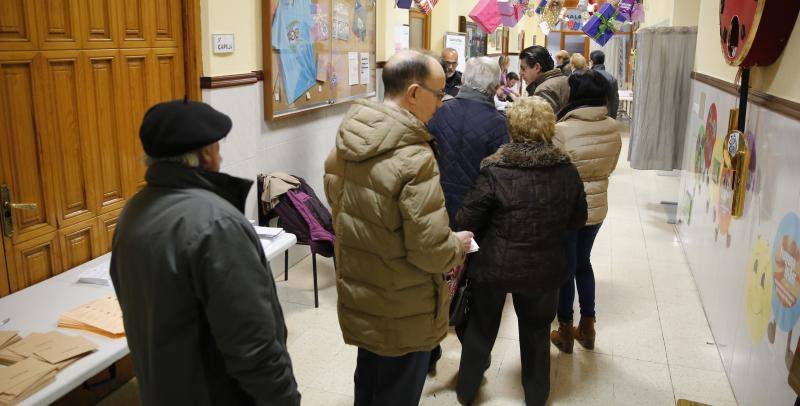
[527,197]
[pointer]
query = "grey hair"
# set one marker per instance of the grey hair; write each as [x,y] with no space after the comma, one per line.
[190,159]
[482,74]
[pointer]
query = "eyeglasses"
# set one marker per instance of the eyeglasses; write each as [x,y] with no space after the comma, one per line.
[448,63]
[439,93]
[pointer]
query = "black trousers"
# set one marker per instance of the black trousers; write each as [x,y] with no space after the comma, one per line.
[535,313]
[391,381]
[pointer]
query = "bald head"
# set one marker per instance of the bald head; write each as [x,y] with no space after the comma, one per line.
[407,67]
[450,61]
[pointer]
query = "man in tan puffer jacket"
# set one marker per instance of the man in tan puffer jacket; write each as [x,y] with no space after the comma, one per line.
[393,240]
[592,140]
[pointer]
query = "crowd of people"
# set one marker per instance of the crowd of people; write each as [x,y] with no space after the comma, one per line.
[411,181]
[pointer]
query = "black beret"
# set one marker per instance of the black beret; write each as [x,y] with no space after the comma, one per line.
[180,126]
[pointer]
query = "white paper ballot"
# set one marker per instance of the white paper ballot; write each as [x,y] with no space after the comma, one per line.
[268,232]
[473,246]
[364,68]
[352,65]
[98,275]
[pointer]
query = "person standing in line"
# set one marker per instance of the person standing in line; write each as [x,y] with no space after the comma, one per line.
[562,62]
[598,65]
[527,197]
[543,78]
[450,61]
[393,240]
[592,140]
[578,62]
[198,300]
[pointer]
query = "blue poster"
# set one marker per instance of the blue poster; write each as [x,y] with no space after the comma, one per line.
[291,37]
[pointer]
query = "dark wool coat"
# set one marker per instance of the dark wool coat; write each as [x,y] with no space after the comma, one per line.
[198,300]
[466,131]
[524,201]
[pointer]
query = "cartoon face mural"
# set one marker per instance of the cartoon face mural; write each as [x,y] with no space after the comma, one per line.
[715,171]
[758,296]
[699,150]
[785,257]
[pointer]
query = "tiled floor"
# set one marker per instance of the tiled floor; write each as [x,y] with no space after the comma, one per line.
[653,345]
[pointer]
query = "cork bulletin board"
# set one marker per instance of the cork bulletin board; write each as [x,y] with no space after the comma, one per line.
[317,53]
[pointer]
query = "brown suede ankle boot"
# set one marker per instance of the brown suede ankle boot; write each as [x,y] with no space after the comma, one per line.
[585,333]
[563,337]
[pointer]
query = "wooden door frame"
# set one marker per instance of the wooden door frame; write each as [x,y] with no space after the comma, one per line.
[426,27]
[192,48]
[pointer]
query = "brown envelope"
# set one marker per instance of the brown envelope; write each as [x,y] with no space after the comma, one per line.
[14,380]
[66,348]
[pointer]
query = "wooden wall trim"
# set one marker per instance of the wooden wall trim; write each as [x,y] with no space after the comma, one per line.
[242,79]
[777,104]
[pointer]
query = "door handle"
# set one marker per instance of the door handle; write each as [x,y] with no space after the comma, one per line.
[6,205]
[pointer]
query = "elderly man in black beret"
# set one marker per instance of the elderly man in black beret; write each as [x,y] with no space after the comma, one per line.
[198,300]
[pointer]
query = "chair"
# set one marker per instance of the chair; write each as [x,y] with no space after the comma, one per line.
[292,222]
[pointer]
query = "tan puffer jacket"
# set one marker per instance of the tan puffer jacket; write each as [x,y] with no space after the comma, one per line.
[393,240]
[593,141]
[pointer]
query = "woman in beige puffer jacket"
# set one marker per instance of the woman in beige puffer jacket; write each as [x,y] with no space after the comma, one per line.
[592,140]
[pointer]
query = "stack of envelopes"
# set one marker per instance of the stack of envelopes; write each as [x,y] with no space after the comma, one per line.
[23,379]
[102,316]
[59,350]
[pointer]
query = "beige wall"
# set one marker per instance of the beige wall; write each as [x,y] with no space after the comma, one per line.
[244,21]
[780,79]
[685,13]
[388,19]
[658,12]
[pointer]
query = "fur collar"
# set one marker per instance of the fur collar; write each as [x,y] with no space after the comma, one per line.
[527,155]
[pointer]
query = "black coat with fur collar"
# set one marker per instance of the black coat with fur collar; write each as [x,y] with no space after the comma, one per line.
[526,198]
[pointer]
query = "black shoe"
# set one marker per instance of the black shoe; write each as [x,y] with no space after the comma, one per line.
[436,355]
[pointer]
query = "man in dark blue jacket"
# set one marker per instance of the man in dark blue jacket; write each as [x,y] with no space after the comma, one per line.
[467,129]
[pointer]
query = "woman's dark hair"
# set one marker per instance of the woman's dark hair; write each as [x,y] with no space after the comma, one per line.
[538,54]
[587,85]
[512,76]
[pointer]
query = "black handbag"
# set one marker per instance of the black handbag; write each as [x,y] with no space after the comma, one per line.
[459,306]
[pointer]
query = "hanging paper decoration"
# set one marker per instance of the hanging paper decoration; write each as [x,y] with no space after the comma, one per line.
[637,14]
[510,12]
[550,16]
[603,24]
[626,8]
[425,6]
[540,8]
[406,4]
[486,15]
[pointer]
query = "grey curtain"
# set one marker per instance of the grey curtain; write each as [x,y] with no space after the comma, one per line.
[662,92]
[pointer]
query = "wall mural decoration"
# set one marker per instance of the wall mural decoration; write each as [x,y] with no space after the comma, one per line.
[758,297]
[785,256]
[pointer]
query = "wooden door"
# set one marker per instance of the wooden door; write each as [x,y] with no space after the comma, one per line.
[76,77]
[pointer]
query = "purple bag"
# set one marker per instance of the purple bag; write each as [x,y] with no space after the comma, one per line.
[486,15]
[600,26]
[626,8]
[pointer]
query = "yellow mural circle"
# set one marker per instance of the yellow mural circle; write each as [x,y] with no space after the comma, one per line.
[758,300]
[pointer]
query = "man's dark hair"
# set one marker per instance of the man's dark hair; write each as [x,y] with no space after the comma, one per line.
[538,54]
[587,86]
[512,76]
[399,74]
[598,57]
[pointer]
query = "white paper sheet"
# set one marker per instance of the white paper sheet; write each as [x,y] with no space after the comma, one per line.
[364,68]
[352,67]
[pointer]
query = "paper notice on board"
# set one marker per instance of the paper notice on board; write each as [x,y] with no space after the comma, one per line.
[364,68]
[352,66]
[401,37]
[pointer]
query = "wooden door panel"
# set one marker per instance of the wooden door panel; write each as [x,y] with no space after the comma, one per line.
[72,158]
[107,124]
[17,30]
[34,261]
[134,23]
[58,23]
[79,243]
[137,71]
[167,23]
[107,224]
[21,165]
[99,22]
[4,290]
[169,66]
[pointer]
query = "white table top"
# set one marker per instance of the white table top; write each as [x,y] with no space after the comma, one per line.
[36,309]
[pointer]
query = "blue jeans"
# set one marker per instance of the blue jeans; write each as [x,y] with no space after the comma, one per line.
[578,248]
